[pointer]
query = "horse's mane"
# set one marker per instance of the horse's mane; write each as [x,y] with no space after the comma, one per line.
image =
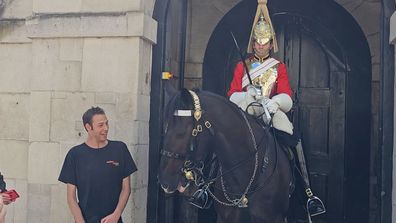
[232,107]
[182,100]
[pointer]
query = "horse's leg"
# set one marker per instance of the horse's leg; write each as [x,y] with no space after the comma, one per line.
[272,219]
[228,214]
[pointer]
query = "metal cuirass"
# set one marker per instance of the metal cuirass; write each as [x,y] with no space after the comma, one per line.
[263,74]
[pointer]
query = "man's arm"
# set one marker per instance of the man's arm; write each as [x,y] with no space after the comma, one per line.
[2,210]
[72,202]
[6,198]
[122,201]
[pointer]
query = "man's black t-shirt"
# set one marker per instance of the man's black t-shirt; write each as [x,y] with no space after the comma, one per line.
[98,175]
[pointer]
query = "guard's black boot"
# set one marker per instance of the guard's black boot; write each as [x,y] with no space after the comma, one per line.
[315,206]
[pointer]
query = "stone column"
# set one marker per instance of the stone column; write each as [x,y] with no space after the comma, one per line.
[392,40]
[15,63]
[86,53]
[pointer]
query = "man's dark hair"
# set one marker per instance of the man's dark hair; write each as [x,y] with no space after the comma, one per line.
[87,116]
[2,184]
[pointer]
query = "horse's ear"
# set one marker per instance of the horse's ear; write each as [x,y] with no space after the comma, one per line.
[185,96]
[169,87]
[169,90]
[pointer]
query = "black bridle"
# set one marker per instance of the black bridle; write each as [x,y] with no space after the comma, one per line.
[192,168]
[172,155]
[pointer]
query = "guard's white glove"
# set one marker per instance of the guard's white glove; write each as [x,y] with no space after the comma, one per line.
[271,105]
[251,91]
[284,101]
[244,99]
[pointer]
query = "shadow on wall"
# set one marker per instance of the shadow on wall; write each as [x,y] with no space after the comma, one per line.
[3,4]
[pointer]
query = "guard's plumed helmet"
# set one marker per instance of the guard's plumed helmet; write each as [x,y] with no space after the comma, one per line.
[262,29]
[262,32]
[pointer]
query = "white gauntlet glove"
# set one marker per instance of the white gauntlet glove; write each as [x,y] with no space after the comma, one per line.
[251,91]
[244,99]
[271,105]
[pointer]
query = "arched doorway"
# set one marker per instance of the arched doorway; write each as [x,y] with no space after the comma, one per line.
[330,71]
[168,55]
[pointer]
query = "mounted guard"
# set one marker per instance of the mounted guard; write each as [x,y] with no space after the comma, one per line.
[260,86]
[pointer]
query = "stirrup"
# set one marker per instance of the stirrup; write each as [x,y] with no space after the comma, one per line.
[315,206]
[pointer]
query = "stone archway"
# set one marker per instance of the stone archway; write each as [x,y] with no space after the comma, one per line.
[331,67]
[197,46]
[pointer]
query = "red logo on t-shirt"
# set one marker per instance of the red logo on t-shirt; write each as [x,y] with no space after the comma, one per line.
[112,162]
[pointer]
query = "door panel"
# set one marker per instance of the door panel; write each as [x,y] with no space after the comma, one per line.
[319,107]
[314,64]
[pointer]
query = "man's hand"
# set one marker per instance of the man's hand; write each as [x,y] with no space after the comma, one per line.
[251,91]
[6,198]
[271,105]
[112,218]
[2,210]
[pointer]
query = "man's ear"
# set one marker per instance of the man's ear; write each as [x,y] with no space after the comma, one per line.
[87,127]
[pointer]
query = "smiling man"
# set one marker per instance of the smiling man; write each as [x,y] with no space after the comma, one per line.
[99,170]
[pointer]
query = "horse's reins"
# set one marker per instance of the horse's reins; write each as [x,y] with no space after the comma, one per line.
[265,165]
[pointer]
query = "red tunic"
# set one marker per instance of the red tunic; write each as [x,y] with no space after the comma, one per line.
[281,86]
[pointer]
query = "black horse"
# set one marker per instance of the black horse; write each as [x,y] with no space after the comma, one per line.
[254,176]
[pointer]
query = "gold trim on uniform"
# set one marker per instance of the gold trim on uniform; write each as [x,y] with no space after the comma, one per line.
[261,59]
[267,80]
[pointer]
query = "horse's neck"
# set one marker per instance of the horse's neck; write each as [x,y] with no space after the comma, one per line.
[233,138]
[237,159]
[235,143]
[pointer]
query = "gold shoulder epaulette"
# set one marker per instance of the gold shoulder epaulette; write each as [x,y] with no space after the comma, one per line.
[251,59]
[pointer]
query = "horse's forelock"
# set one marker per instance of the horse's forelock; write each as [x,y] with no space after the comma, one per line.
[181,101]
[185,99]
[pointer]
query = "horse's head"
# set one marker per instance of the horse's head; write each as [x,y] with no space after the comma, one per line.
[184,144]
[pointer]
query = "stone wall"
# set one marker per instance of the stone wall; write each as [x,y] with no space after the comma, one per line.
[57,59]
[199,30]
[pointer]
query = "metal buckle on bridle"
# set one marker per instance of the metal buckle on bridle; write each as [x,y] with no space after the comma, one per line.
[243,202]
[194,172]
[187,170]
[197,113]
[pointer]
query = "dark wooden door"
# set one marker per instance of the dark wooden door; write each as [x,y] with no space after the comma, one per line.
[317,76]
[168,56]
